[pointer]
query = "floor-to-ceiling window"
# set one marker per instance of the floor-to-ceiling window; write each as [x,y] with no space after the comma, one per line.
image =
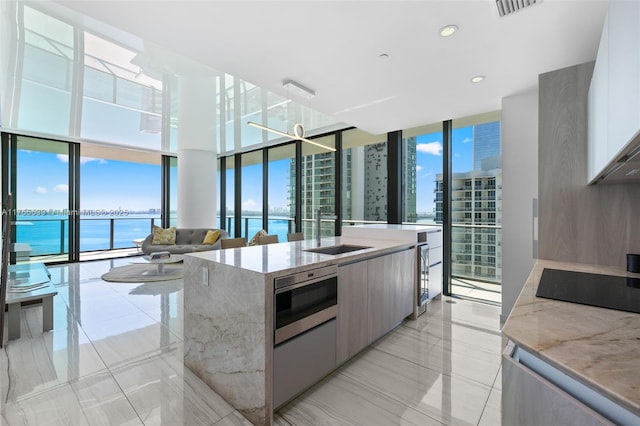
[229,193]
[41,199]
[221,207]
[113,215]
[422,149]
[318,186]
[476,200]
[364,178]
[251,193]
[173,191]
[281,195]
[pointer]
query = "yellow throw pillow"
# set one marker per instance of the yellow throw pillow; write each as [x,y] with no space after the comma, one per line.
[254,240]
[211,237]
[164,236]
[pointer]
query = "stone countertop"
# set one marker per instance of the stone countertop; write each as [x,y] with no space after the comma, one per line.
[381,231]
[291,257]
[395,227]
[598,347]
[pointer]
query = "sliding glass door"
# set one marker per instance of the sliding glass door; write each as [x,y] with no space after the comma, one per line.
[40,183]
[281,194]
[318,187]
[476,216]
[120,197]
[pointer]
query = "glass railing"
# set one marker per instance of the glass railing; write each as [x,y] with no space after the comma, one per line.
[45,237]
[463,263]
[42,236]
[278,225]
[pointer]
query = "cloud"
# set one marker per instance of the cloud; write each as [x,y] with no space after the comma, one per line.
[61,187]
[41,190]
[433,148]
[83,160]
[418,168]
[249,205]
[467,140]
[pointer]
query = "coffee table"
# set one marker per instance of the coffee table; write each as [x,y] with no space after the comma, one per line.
[174,258]
[29,283]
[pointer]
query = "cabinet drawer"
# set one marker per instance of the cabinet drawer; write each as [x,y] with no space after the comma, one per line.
[434,239]
[303,361]
[435,255]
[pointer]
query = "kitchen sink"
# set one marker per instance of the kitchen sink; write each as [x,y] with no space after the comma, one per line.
[340,249]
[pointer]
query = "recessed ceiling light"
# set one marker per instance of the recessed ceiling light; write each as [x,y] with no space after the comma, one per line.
[477,79]
[448,30]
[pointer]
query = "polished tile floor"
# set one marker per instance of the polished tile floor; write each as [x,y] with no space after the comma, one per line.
[115,357]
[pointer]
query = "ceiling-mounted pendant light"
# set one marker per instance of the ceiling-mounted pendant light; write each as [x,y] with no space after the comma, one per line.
[298,134]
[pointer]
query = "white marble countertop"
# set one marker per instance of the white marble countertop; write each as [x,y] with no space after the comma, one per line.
[399,227]
[382,231]
[291,257]
[597,346]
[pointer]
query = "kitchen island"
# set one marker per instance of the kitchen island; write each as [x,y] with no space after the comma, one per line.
[569,363]
[229,309]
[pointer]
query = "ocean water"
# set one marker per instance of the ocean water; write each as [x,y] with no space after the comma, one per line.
[48,234]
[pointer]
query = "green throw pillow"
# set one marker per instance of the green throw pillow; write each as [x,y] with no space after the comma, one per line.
[164,236]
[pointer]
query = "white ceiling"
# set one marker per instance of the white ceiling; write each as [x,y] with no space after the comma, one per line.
[333,47]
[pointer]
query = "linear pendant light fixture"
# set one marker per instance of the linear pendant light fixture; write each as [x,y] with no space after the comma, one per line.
[298,134]
[298,131]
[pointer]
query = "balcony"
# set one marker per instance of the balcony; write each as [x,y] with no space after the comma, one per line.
[100,238]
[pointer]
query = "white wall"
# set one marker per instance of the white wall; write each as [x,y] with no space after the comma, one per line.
[519,190]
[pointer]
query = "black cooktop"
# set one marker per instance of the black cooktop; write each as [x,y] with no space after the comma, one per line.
[605,291]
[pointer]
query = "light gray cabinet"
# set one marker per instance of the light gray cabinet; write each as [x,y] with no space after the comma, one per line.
[435,263]
[391,288]
[374,295]
[403,280]
[534,392]
[528,399]
[353,332]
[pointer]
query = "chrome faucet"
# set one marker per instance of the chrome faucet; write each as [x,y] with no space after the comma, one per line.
[318,218]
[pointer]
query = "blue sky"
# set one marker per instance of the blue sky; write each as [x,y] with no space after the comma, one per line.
[429,162]
[105,184]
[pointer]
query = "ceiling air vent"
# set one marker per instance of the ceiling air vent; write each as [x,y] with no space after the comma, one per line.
[507,7]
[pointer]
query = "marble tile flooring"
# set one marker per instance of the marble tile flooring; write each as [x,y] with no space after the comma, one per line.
[115,358]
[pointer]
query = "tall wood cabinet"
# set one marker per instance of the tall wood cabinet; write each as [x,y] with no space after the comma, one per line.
[353,315]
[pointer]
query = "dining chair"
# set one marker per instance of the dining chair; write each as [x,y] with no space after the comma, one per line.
[295,236]
[233,242]
[268,239]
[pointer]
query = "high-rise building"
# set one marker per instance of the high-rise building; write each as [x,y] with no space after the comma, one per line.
[486,146]
[318,188]
[409,180]
[476,209]
[364,188]
[375,182]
